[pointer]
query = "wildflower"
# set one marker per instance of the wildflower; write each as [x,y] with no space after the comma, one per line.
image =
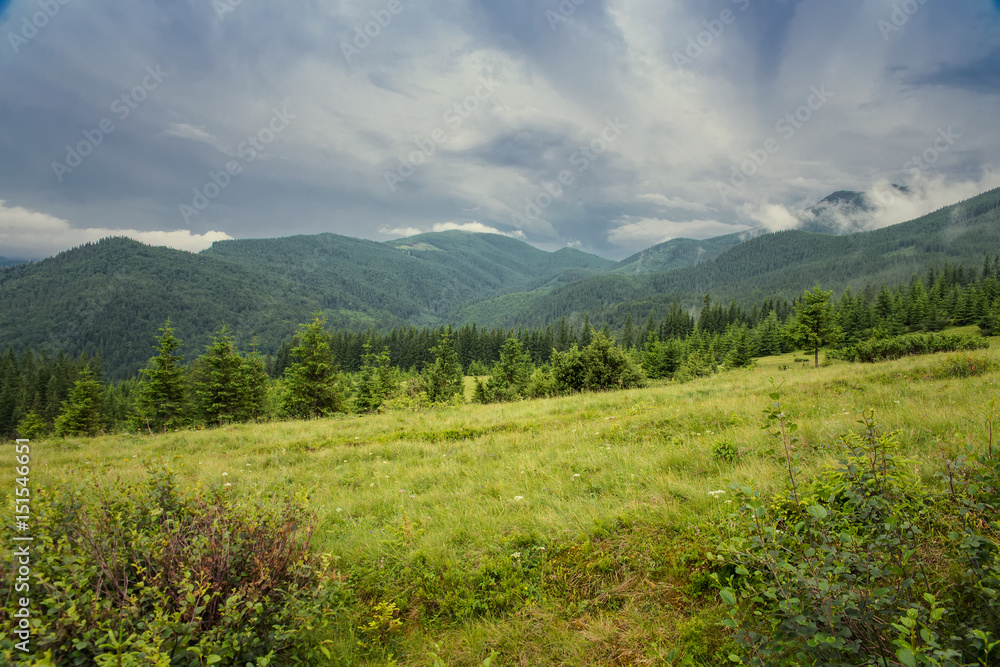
[518,497]
[224,474]
[576,475]
[339,510]
[715,493]
[516,554]
[227,484]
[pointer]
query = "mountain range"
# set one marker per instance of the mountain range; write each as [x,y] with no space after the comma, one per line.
[109,297]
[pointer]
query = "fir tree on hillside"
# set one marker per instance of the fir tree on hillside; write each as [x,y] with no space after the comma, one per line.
[161,402]
[83,413]
[444,379]
[219,379]
[815,324]
[313,381]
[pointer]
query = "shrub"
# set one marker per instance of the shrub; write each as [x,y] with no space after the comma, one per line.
[897,347]
[147,575]
[845,570]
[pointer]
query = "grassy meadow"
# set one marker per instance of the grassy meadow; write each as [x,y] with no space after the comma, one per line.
[568,531]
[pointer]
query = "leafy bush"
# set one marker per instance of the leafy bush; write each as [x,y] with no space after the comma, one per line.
[849,569]
[600,366]
[147,575]
[897,347]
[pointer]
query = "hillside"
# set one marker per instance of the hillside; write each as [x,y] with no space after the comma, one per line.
[567,531]
[781,264]
[680,253]
[110,297]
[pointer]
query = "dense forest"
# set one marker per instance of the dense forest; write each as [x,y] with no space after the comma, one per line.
[366,370]
[108,299]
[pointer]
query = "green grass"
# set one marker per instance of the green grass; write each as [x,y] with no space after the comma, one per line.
[598,504]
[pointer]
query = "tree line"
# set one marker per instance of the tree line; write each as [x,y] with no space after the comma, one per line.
[321,372]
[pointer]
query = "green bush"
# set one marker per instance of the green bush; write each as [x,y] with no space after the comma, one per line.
[898,347]
[144,574]
[852,568]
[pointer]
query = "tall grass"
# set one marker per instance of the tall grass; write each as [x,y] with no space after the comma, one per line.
[633,470]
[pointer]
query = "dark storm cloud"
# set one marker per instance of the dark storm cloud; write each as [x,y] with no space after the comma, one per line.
[369,84]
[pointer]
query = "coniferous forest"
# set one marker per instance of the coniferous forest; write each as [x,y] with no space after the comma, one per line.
[361,371]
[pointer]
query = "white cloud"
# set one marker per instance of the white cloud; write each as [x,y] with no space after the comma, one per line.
[30,234]
[185,131]
[475,228]
[399,232]
[673,202]
[650,231]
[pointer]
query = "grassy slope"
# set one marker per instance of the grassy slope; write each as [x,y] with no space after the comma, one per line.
[437,492]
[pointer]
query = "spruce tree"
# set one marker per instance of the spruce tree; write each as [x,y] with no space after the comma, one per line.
[161,401]
[83,413]
[444,379]
[313,382]
[376,380]
[219,379]
[815,325]
[253,386]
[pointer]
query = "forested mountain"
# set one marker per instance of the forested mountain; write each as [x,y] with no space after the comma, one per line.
[4,261]
[109,298]
[778,265]
[680,253]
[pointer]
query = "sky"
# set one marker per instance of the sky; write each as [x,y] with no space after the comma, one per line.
[604,125]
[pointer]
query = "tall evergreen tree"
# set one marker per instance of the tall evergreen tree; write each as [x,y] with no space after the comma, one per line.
[377,380]
[83,413]
[444,379]
[253,386]
[161,401]
[219,378]
[313,381]
[815,324]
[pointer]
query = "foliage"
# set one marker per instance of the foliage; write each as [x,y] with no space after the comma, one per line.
[312,382]
[377,381]
[83,414]
[598,367]
[841,571]
[142,573]
[510,376]
[220,382]
[814,324]
[161,400]
[897,347]
[444,379]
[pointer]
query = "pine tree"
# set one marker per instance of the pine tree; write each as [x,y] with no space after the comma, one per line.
[313,381]
[444,379]
[219,378]
[741,354]
[587,334]
[377,380]
[629,334]
[161,403]
[815,324]
[83,413]
[253,386]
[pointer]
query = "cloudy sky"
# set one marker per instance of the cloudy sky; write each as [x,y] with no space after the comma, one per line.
[607,125]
